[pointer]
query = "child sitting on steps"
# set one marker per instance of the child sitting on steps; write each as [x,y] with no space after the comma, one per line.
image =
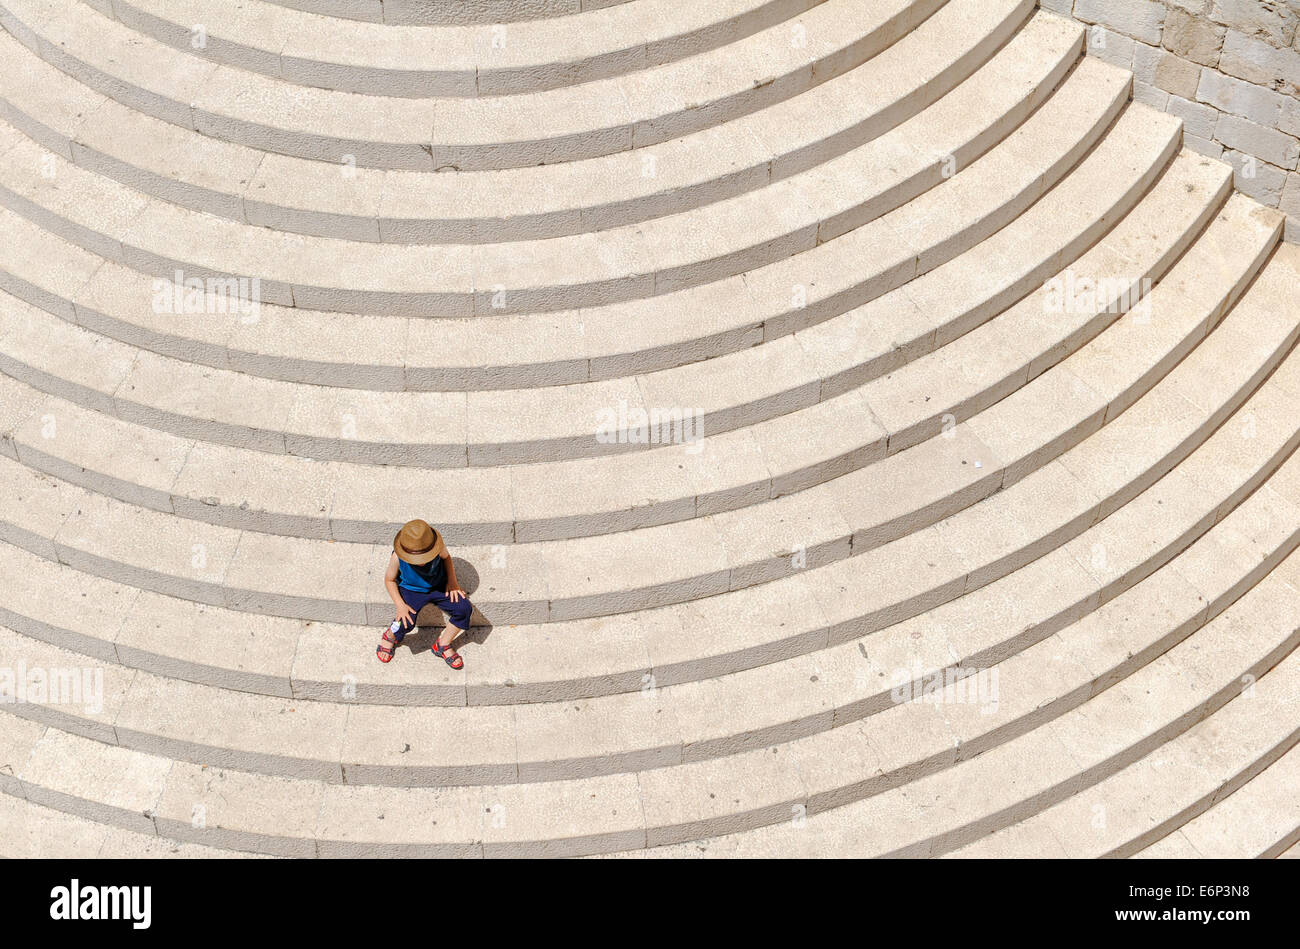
[420,572]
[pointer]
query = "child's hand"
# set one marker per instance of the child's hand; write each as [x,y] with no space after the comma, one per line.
[405,614]
[455,593]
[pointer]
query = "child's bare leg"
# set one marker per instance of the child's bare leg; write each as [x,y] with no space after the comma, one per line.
[389,640]
[458,613]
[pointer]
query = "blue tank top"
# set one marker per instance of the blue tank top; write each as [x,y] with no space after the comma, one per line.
[429,578]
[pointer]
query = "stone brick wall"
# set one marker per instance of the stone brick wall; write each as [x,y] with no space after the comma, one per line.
[1230,69]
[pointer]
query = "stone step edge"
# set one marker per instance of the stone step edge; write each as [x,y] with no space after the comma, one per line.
[110,841]
[718,747]
[1205,809]
[444,13]
[733,497]
[278,212]
[526,610]
[95,322]
[513,693]
[478,454]
[727,341]
[426,153]
[224,46]
[948,841]
[616,842]
[209,754]
[69,639]
[636,280]
[69,141]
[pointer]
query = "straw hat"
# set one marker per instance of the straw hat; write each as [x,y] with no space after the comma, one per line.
[417,543]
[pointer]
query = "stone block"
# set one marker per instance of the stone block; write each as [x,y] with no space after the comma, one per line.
[1177,76]
[1262,106]
[1192,37]
[1198,119]
[1291,195]
[1261,63]
[1149,95]
[1272,146]
[1273,21]
[1289,120]
[1110,47]
[1141,19]
[1145,61]
[1256,179]
[1063,7]
[1203,146]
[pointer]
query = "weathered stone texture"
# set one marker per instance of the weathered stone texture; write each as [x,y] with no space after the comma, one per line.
[1193,37]
[1260,105]
[1140,19]
[1110,47]
[1266,143]
[1198,119]
[1273,21]
[1203,146]
[1230,69]
[1177,76]
[1261,63]
[1291,195]
[1255,178]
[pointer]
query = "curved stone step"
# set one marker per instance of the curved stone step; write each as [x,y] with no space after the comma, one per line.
[32,832]
[445,12]
[1258,819]
[763,460]
[343,742]
[1286,847]
[514,426]
[326,199]
[575,579]
[462,60]
[669,803]
[152,620]
[1173,784]
[1175,702]
[1100,507]
[1181,200]
[350,502]
[601,117]
[586,345]
[659,646]
[811,213]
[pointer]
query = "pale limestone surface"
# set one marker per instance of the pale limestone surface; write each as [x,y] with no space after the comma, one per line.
[1230,69]
[1117,606]
[452,59]
[1255,820]
[598,711]
[705,166]
[921,458]
[319,412]
[428,132]
[257,548]
[581,271]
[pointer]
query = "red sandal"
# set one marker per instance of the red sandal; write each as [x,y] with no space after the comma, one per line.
[386,654]
[454,660]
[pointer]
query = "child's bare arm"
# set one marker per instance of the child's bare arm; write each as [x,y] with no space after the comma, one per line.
[453,588]
[404,612]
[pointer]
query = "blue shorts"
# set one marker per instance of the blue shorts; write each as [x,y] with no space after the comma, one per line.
[458,613]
